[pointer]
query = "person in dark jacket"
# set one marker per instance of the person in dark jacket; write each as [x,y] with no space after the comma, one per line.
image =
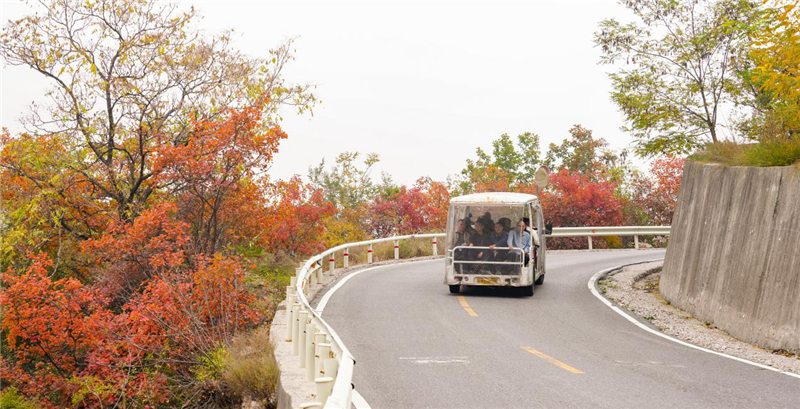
[481,239]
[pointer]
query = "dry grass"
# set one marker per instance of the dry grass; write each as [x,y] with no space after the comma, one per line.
[769,152]
[250,369]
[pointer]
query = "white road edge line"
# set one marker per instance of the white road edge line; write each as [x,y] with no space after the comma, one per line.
[358,401]
[593,289]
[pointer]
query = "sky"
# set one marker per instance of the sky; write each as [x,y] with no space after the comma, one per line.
[422,84]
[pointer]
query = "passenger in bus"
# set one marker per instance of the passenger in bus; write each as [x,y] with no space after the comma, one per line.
[499,238]
[532,231]
[463,237]
[481,239]
[506,222]
[519,241]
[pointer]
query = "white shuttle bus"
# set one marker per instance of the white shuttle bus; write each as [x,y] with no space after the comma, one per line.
[478,249]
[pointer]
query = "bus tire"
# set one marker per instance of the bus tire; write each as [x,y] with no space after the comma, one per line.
[454,289]
[540,280]
[527,291]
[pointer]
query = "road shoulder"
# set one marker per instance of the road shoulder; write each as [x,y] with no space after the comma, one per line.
[635,288]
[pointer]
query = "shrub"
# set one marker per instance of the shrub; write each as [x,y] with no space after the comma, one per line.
[250,369]
[11,399]
[768,152]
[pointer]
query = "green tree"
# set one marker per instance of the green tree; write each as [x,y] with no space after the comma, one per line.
[347,185]
[680,61]
[581,152]
[509,164]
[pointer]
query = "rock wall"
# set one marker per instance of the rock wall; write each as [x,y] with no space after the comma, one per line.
[734,252]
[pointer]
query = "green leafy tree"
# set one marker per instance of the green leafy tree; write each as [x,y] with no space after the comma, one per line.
[679,71]
[506,167]
[581,152]
[347,185]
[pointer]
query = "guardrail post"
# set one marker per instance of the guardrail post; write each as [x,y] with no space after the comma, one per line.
[397,249]
[369,254]
[590,242]
[289,312]
[332,262]
[301,342]
[435,247]
[346,257]
[331,366]
[324,388]
[295,329]
[636,241]
[311,334]
[323,353]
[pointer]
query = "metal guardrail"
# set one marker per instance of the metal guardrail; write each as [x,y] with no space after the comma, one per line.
[328,362]
[590,232]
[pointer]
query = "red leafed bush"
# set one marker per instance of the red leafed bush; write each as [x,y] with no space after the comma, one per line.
[574,200]
[293,222]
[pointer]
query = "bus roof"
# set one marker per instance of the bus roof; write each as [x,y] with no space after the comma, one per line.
[496,198]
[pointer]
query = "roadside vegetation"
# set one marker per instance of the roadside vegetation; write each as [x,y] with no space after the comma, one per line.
[717,78]
[145,246]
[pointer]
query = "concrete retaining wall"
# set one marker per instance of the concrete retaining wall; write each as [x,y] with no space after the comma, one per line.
[734,252]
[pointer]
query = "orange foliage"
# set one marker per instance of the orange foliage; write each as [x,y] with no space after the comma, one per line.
[294,220]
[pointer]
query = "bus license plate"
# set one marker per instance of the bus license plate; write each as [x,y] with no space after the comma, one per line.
[489,280]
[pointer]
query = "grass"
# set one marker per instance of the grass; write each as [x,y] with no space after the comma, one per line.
[769,152]
[249,368]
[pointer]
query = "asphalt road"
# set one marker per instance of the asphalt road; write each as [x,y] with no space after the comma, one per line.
[417,346]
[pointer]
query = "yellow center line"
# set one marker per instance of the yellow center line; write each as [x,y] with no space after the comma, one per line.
[463,302]
[552,360]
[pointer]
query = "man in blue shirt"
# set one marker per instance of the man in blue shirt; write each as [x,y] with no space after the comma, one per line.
[519,239]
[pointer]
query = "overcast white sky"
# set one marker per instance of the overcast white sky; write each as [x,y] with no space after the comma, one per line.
[420,83]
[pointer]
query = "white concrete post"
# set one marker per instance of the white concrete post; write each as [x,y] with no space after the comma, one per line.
[332,262]
[346,258]
[590,242]
[323,353]
[289,315]
[324,388]
[302,340]
[311,405]
[319,339]
[397,249]
[311,334]
[312,278]
[295,329]
[636,241]
[435,247]
[331,366]
[369,254]
[293,282]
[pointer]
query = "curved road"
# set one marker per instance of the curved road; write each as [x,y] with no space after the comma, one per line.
[417,346]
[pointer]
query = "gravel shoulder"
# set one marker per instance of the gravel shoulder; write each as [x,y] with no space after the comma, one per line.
[635,288]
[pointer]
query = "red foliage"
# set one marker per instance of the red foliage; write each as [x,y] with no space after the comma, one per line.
[131,253]
[293,222]
[180,316]
[574,200]
[63,343]
[659,203]
[420,208]
[215,175]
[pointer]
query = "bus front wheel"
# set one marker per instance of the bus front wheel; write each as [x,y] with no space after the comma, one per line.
[454,289]
[527,291]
